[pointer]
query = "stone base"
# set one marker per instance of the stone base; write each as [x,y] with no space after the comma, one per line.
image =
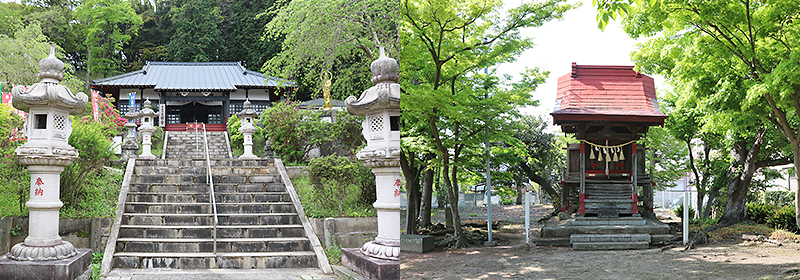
[67,269]
[248,157]
[373,268]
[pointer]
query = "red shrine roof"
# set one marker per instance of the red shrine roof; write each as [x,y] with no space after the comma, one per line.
[595,93]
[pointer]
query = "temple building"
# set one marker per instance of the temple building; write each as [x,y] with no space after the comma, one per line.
[607,193]
[188,92]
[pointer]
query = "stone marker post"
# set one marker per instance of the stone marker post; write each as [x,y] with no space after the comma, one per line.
[380,105]
[46,153]
[148,117]
[130,149]
[247,118]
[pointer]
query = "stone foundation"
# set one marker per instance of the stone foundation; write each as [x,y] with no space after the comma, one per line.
[67,269]
[373,268]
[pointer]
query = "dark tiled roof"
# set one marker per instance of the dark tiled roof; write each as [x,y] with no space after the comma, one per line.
[224,76]
[600,93]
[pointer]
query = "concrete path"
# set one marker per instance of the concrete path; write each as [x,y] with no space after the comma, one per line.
[221,274]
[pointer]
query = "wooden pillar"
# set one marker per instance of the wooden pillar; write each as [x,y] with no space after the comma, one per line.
[634,180]
[582,189]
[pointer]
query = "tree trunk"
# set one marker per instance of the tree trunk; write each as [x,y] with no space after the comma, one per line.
[411,171]
[427,196]
[712,195]
[739,181]
[796,152]
[518,182]
[539,180]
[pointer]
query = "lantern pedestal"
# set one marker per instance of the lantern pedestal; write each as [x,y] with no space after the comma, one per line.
[69,268]
[374,268]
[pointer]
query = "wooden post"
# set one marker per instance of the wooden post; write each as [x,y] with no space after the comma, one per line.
[634,178]
[582,190]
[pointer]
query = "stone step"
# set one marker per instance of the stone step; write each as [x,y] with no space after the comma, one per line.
[611,246]
[184,197]
[249,260]
[203,208]
[203,188]
[206,219]
[609,200]
[592,221]
[198,162]
[588,238]
[203,179]
[156,233]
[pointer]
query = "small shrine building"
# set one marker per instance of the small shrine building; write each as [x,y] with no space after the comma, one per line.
[607,108]
[187,92]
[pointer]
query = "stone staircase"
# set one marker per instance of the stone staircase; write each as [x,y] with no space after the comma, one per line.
[189,145]
[168,222]
[593,233]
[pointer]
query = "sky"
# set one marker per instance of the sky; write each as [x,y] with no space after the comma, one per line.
[575,38]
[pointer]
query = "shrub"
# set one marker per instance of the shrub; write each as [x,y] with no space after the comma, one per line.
[779,198]
[94,145]
[14,178]
[340,186]
[292,132]
[784,218]
[759,212]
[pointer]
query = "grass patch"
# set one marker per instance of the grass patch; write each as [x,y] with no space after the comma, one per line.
[314,210]
[334,255]
[735,232]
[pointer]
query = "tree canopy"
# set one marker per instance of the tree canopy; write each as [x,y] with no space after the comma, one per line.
[445,44]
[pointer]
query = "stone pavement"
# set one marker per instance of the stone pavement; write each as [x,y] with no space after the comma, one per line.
[221,274]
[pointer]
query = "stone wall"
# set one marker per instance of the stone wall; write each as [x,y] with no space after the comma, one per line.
[89,233]
[345,232]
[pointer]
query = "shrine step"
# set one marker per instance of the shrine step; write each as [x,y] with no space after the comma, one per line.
[220,260]
[593,221]
[609,241]
[206,245]
[206,219]
[203,188]
[189,197]
[204,208]
[611,246]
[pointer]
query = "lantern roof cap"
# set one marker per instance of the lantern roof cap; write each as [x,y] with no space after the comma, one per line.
[247,110]
[49,91]
[384,95]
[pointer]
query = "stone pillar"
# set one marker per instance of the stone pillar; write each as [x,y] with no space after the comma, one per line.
[130,149]
[48,127]
[148,117]
[247,119]
[380,105]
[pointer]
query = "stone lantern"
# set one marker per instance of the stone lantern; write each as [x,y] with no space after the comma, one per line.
[130,148]
[148,116]
[247,118]
[380,104]
[46,153]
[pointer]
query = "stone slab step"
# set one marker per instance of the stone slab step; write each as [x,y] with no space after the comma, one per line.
[610,246]
[592,221]
[198,240]
[592,200]
[229,197]
[219,260]
[210,226]
[660,237]
[206,219]
[594,238]
[203,188]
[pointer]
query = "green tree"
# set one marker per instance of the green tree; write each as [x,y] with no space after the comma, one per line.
[153,36]
[108,25]
[197,37]
[746,49]
[542,160]
[339,37]
[243,32]
[444,44]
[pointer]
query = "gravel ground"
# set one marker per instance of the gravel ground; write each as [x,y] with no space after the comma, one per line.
[514,259]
